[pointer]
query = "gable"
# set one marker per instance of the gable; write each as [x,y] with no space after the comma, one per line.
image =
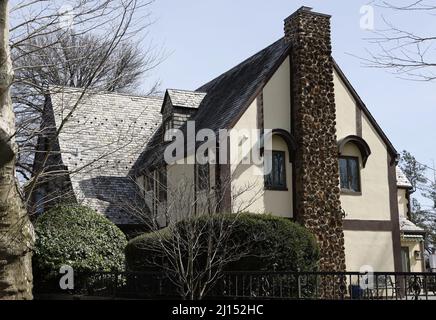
[351,115]
[167,107]
[227,98]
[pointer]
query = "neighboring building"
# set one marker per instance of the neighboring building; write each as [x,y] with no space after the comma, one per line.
[92,156]
[333,168]
[412,236]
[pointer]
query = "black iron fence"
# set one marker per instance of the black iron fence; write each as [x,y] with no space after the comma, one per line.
[330,285]
[254,285]
[134,285]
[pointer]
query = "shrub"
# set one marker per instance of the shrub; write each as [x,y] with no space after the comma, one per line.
[143,254]
[79,237]
[275,243]
[270,243]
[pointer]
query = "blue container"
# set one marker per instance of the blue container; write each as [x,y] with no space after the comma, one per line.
[356,291]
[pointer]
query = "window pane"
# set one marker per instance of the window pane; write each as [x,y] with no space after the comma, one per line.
[280,170]
[277,177]
[353,165]
[343,173]
[162,185]
[276,165]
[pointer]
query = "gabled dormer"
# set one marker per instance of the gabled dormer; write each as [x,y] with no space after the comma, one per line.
[179,106]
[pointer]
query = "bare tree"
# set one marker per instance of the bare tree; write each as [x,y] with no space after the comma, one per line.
[196,250]
[15,250]
[408,53]
[69,58]
[32,21]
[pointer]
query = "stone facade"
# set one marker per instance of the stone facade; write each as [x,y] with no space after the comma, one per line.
[317,190]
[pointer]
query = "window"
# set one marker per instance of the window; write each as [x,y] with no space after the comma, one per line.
[167,125]
[276,179]
[148,183]
[202,176]
[349,174]
[405,259]
[162,185]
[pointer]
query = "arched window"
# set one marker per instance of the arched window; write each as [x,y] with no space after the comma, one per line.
[286,136]
[361,144]
[349,166]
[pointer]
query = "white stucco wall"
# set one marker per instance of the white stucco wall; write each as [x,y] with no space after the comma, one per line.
[373,203]
[373,248]
[277,99]
[415,264]
[277,115]
[247,179]
[279,202]
[345,109]
[402,202]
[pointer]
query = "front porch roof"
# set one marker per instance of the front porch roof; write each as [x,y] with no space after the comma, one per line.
[409,228]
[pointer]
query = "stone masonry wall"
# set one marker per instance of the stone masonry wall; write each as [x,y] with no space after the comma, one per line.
[318,204]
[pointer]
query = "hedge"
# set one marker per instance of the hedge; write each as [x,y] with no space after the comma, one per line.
[271,243]
[77,236]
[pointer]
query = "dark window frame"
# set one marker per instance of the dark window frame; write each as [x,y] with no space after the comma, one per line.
[168,124]
[349,190]
[405,264]
[148,183]
[275,186]
[162,188]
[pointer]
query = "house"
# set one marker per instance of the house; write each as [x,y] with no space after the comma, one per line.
[324,160]
[412,236]
[89,160]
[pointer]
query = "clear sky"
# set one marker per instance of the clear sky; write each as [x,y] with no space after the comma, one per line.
[206,38]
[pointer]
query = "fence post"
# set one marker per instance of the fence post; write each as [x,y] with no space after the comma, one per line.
[299,285]
[116,284]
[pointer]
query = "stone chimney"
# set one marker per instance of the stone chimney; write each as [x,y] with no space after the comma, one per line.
[316,167]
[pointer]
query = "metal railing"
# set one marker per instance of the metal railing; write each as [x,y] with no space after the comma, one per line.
[329,285]
[256,285]
[135,285]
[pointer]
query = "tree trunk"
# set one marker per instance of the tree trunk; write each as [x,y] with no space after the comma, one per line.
[16,232]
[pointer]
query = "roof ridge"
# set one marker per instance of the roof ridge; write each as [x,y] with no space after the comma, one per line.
[185,90]
[103,92]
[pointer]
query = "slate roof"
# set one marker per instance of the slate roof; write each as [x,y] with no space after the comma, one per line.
[402,181]
[226,97]
[100,143]
[185,98]
[229,93]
